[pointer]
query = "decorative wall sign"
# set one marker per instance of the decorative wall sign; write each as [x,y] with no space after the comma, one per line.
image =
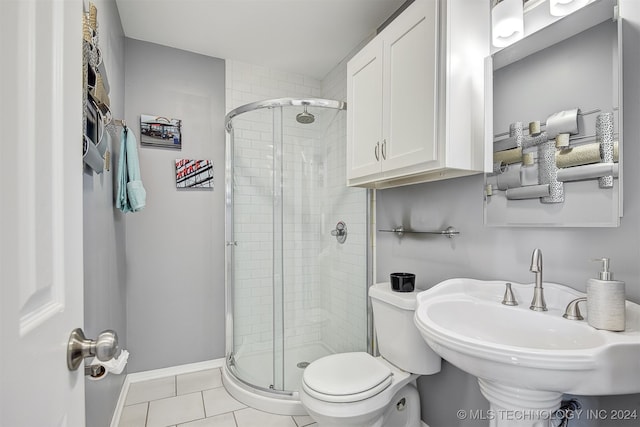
[194,173]
[160,131]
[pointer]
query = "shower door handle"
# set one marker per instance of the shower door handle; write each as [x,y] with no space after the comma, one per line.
[376,151]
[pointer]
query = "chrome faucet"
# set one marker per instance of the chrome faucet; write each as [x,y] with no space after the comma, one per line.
[537,303]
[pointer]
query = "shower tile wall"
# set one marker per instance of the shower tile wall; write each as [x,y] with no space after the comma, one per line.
[325,303]
[302,212]
[249,83]
[253,327]
[345,279]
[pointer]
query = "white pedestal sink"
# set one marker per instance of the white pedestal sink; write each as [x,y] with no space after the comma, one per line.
[526,360]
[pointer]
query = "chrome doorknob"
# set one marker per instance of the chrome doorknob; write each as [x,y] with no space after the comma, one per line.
[104,348]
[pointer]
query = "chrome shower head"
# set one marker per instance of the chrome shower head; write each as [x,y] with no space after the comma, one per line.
[305,117]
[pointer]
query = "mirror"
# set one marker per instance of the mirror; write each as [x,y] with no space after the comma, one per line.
[557,140]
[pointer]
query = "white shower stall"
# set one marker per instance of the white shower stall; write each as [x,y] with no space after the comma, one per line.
[294,292]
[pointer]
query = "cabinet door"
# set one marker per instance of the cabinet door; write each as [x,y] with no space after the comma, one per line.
[364,106]
[410,91]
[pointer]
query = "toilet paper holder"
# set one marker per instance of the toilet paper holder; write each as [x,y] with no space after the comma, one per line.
[104,348]
[95,371]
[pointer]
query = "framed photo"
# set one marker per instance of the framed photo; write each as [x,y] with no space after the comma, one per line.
[160,131]
[194,173]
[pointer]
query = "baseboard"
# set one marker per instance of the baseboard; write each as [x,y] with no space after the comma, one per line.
[155,374]
[174,370]
[117,413]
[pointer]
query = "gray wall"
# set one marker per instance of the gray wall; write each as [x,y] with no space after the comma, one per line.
[505,253]
[104,233]
[175,245]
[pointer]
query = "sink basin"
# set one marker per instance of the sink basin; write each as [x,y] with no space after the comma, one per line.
[514,348]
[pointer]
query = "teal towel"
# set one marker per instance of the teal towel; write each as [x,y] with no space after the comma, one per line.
[131,193]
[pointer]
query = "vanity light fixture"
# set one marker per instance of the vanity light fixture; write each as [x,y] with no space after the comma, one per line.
[565,7]
[507,22]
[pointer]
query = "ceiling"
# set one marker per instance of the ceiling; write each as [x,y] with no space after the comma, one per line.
[308,37]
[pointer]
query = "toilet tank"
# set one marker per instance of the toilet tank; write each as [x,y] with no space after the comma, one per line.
[399,340]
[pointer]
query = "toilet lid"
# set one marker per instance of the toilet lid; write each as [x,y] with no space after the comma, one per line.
[346,377]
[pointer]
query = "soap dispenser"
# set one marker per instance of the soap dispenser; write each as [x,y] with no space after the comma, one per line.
[606,300]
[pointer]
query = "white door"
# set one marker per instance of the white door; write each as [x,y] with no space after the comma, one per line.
[41,295]
[364,111]
[410,93]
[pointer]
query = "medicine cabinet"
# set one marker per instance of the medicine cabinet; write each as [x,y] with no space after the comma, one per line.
[554,124]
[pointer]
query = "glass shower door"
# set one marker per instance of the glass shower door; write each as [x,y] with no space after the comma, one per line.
[324,281]
[278,265]
[251,229]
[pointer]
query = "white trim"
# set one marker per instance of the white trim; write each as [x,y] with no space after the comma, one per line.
[174,370]
[155,374]
[117,412]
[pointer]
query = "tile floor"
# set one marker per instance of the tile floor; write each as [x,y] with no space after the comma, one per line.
[195,400]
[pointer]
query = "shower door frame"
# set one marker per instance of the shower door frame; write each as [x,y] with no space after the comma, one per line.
[230,243]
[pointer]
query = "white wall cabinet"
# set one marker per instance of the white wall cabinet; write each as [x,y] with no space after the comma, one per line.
[415,96]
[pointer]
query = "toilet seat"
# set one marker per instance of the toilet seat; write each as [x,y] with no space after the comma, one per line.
[346,377]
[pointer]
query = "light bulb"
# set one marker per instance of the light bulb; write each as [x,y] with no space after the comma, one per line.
[565,7]
[507,22]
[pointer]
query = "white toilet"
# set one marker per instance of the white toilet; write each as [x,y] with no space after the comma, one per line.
[357,389]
